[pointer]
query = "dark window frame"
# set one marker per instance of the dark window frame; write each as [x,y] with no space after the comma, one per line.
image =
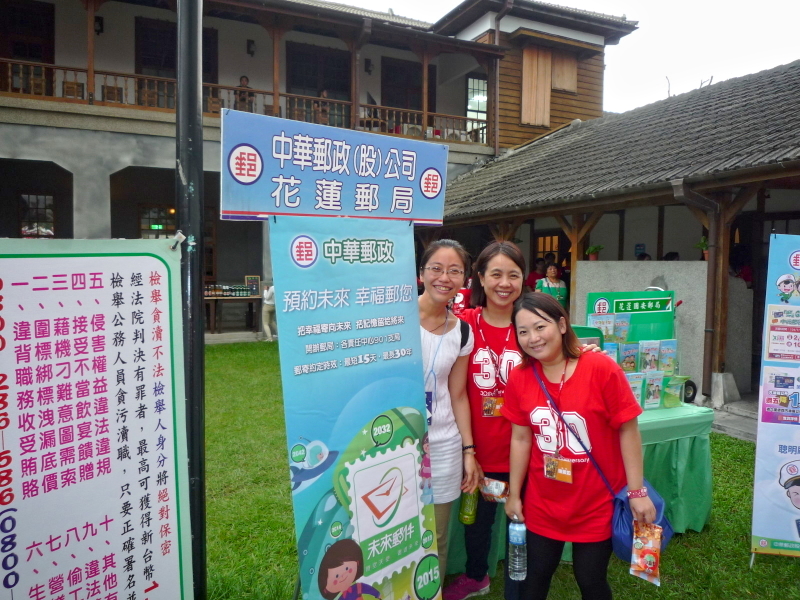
[299,55]
[391,92]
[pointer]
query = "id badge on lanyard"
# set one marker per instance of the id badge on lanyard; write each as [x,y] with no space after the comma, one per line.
[556,467]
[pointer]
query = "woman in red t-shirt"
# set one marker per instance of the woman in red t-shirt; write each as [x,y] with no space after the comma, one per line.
[496,285]
[565,497]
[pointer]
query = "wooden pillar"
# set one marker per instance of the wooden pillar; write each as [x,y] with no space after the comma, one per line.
[660,234]
[621,238]
[577,232]
[91,5]
[425,83]
[532,236]
[723,244]
[492,130]
[730,206]
[355,87]
[355,45]
[277,34]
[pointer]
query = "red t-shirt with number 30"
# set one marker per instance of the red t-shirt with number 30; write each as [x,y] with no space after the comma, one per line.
[495,350]
[595,402]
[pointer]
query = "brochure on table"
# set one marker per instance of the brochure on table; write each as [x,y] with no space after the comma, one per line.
[638,330]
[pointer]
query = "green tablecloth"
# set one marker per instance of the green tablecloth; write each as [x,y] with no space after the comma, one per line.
[677,462]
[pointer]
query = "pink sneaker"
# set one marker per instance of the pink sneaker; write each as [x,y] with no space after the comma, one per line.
[466,587]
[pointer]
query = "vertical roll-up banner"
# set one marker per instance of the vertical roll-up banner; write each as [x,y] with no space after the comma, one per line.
[348,325]
[776,495]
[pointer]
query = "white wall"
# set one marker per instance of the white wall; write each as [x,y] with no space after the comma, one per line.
[606,234]
[682,231]
[781,201]
[510,23]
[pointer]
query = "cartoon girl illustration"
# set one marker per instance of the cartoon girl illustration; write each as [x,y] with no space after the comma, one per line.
[425,471]
[786,287]
[341,566]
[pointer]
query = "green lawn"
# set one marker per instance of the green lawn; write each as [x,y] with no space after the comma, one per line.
[251,552]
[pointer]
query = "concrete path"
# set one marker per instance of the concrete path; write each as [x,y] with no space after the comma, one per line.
[738,419]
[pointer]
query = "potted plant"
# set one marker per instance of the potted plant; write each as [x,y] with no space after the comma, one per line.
[593,251]
[703,245]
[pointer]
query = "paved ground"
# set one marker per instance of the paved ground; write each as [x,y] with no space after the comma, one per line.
[739,419]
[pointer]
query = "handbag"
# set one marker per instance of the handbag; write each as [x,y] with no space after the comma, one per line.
[622,517]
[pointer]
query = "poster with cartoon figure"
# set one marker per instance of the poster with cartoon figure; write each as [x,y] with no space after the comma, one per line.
[351,369]
[776,495]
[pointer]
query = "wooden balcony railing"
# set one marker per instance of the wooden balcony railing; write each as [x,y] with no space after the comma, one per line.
[135,90]
[324,111]
[216,97]
[457,129]
[408,123]
[37,79]
[20,78]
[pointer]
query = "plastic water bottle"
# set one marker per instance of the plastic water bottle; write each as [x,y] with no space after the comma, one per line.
[469,508]
[517,551]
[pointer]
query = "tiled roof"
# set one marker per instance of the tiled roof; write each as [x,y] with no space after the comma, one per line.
[365,12]
[740,123]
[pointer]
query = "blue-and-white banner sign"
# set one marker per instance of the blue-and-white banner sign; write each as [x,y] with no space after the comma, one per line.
[274,166]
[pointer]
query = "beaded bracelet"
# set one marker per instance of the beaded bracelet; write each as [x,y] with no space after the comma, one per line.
[641,493]
[471,446]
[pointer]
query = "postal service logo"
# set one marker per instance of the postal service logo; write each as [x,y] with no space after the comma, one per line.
[601,306]
[245,164]
[792,469]
[430,183]
[794,260]
[304,251]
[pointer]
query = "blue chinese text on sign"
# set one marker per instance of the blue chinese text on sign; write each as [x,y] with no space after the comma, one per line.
[273,166]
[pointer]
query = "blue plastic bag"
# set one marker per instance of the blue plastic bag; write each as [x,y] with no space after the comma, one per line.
[622,522]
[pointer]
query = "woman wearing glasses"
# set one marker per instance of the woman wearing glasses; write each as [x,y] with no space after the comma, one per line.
[446,346]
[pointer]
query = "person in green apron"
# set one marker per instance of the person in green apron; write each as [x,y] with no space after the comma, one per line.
[553,286]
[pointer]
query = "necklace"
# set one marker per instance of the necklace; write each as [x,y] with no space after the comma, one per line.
[438,326]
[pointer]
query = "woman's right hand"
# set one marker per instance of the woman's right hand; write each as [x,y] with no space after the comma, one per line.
[514,509]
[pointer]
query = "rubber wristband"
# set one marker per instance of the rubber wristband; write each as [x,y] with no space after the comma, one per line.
[640,493]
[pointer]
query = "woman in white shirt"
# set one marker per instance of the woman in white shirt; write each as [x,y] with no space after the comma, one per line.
[446,347]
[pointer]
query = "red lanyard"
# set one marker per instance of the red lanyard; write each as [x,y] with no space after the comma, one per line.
[492,357]
[560,386]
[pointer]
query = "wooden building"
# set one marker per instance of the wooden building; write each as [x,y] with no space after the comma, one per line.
[88,90]
[721,162]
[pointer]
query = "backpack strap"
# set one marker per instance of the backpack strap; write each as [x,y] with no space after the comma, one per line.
[464,333]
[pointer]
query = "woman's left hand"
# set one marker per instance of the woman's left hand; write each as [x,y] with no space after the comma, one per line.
[472,474]
[590,348]
[643,509]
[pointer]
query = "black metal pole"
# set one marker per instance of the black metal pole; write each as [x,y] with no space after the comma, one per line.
[189,191]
